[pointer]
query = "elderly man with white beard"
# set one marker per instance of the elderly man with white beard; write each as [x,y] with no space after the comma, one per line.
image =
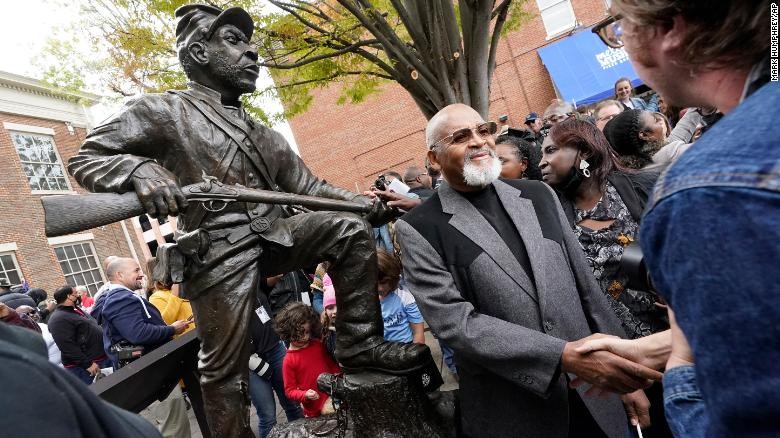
[499,277]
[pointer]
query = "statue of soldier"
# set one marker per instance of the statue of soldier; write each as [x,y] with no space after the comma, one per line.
[160,142]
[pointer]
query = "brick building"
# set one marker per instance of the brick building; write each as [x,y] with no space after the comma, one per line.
[349,145]
[40,129]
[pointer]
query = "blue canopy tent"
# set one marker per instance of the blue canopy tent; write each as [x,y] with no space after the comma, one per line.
[584,69]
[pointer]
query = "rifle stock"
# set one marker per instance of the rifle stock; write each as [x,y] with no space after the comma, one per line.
[66,214]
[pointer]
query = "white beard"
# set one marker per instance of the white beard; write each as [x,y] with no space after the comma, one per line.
[480,175]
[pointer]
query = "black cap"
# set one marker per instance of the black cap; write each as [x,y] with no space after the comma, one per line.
[622,132]
[531,117]
[199,22]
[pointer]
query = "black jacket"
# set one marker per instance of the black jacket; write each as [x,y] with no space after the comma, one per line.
[423,192]
[79,338]
[634,189]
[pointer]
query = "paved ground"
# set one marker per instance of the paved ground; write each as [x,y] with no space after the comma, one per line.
[449,383]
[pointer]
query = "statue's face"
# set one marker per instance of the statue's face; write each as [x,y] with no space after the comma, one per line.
[232,61]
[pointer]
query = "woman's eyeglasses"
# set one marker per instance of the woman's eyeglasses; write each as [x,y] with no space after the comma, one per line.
[461,136]
[610,31]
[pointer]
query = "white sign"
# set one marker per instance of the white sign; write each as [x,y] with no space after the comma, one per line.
[611,57]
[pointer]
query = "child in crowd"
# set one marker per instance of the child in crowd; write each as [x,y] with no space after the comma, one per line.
[317,287]
[305,360]
[328,318]
[402,319]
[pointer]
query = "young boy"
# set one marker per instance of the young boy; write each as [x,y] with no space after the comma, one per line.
[402,319]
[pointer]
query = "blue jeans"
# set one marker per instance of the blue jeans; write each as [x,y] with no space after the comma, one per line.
[261,391]
[683,403]
[382,239]
[316,301]
[83,375]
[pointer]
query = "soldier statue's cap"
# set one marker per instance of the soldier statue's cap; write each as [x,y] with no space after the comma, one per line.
[199,22]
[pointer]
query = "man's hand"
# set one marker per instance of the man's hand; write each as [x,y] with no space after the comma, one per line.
[637,408]
[397,200]
[158,191]
[311,395]
[93,369]
[605,370]
[4,310]
[181,325]
[651,351]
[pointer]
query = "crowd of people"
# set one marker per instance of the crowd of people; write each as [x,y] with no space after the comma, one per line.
[510,244]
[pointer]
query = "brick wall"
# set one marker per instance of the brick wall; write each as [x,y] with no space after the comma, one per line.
[22,215]
[349,145]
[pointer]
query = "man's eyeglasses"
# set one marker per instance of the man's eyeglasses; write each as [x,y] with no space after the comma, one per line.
[610,31]
[557,118]
[461,136]
[416,178]
[606,118]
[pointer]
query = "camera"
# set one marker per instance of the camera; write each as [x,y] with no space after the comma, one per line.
[633,264]
[126,352]
[380,183]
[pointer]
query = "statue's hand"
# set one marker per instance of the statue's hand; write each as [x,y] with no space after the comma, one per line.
[158,191]
[380,213]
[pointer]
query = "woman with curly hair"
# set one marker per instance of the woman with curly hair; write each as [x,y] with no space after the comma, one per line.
[306,359]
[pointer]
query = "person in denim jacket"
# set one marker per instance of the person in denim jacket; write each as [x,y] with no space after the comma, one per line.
[710,234]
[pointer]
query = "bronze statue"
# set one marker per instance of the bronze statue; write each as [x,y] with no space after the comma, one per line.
[160,142]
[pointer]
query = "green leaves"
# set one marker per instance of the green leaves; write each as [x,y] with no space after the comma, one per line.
[127,46]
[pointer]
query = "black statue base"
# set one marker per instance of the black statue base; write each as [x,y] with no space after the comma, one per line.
[375,405]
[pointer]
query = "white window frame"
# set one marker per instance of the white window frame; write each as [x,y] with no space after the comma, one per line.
[10,249]
[552,33]
[78,240]
[15,128]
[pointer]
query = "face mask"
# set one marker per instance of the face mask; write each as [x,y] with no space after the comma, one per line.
[572,182]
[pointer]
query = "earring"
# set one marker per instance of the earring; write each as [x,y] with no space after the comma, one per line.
[584,168]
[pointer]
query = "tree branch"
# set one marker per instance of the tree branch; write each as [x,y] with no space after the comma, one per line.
[503,6]
[415,31]
[391,42]
[283,6]
[394,49]
[331,77]
[503,10]
[476,56]
[302,62]
[441,53]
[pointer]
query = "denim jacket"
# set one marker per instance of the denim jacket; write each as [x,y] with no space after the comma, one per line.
[711,239]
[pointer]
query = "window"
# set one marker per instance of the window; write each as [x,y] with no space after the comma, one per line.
[9,269]
[557,15]
[80,266]
[40,162]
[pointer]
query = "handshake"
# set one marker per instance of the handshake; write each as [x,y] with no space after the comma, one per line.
[612,364]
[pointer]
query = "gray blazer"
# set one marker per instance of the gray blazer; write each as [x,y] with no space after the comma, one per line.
[507,331]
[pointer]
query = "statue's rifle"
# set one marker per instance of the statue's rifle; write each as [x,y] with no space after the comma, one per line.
[65,214]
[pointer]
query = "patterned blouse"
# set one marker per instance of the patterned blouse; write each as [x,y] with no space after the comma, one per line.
[604,249]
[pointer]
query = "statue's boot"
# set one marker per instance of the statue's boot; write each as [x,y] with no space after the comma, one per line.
[388,357]
[360,343]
